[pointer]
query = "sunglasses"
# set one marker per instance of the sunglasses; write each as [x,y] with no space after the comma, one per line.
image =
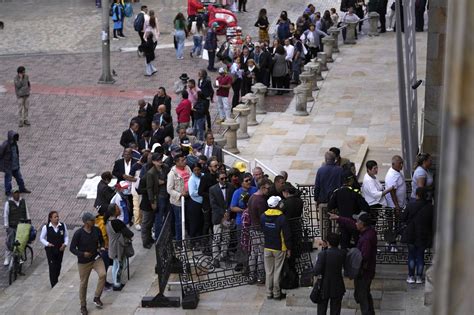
[246,180]
[223,178]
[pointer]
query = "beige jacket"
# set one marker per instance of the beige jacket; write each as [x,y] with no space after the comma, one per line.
[175,185]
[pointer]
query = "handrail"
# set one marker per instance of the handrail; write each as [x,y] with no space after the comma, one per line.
[265,167]
[227,129]
[344,25]
[249,164]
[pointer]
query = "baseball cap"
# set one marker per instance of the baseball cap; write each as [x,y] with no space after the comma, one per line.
[174,147]
[197,146]
[122,185]
[157,157]
[347,174]
[363,217]
[87,216]
[215,24]
[185,142]
[221,70]
[273,201]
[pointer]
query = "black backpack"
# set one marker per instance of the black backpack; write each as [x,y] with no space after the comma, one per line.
[139,22]
[141,189]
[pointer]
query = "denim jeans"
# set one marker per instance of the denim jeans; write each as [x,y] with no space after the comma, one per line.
[223,107]
[200,128]
[8,181]
[416,260]
[177,221]
[180,37]
[118,267]
[197,49]
[160,214]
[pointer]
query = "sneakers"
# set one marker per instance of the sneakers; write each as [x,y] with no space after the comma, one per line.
[119,288]
[6,262]
[27,123]
[280,297]
[84,310]
[216,263]
[410,280]
[25,191]
[98,302]
[419,280]
[138,227]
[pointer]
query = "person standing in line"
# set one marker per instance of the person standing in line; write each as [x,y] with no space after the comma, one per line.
[197,30]
[277,236]
[223,85]
[422,176]
[180,34]
[205,85]
[105,193]
[14,212]
[372,188]
[200,109]
[211,45]
[263,25]
[10,163]
[194,213]
[22,91]
[54,237]
[86,244]
[183,110]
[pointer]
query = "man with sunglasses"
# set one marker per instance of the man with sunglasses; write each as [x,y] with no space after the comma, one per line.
[207,181]
[220,196]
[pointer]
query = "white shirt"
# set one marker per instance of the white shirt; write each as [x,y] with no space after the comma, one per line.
[55,228]
[290,51]
[208,151]
[6,211]
[116,200]
[350,18]
[372,191]
[396,179]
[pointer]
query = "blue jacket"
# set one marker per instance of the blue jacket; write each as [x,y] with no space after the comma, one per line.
[328,179]
[211,40]
[276,230]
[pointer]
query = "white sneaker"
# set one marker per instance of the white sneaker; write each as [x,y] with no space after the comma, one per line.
[394,249]
[411,280]
[419,280]
[138,227]
[6,262]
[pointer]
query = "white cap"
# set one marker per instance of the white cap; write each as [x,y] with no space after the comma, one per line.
[273,201]
[221,70]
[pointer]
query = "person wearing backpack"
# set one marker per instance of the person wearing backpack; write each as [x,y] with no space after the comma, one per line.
[139,26]
[117,17]
[367,244]
[329,265]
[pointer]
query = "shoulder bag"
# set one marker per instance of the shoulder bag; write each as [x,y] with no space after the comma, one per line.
[316,295]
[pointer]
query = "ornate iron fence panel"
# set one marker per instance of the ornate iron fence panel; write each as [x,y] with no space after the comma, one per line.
[310,212]
[232,258]
[164,253]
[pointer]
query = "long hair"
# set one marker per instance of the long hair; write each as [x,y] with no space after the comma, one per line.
[262,13]
[180,18]
[420,159]
[50,215]
[152,19]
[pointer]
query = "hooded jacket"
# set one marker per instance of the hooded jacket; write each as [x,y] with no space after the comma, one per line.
[6,153]
[276,230]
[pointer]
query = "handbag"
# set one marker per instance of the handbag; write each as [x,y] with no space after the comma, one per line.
[128,251]
[175,42]
[316,295]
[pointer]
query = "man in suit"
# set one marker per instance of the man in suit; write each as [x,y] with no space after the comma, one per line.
[145,141]
[149,112]
[130,135]
[181,135]
[212,149]
[121,170]
[220,196]
[207,181]
[104,192]
[265,64]
[329,264]
[142,121]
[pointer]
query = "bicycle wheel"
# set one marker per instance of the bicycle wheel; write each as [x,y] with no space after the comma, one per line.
[28,256]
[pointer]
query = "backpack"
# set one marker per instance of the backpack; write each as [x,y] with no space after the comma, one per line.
[128,10]
[139,22]
[289,277]
[111,10]
[141,189]
[353,263]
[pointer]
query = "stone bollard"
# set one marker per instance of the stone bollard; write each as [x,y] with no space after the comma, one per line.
[319,77]
[250,100]
[220,140]
[301,92]
[260,89]
[350,33]
[243,111]
[334,32]
[328,44]
[323,57]
[373,22]
[231,135]
[311,67]
[306,80]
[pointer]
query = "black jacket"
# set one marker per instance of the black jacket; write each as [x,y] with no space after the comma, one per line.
[293,207]
[348,201]
[205,86]
[127,137]
[158,100]
[418,217]
[119,168]
[218,205]
[104,195]
[6,152]
[205,184]
[330,263]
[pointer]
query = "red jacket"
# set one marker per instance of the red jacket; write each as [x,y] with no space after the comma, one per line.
[194,6]
[184,111]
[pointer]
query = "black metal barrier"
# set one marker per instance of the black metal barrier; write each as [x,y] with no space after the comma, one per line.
[164,264]
[232,258]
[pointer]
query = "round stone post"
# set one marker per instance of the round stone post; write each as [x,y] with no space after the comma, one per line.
[301,92]
[373,22]
[319,77]
[243,111]
[350,33]
[260,89]
[311,67]
[306,78]
[231,135]
[250,100]
[328,43]
[334,32]
[323,57]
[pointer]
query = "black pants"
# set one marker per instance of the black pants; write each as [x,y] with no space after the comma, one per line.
[278,82]
[236,86]
[335,306]
[382,19]
[194,218]
[346,237]
[362,295]
[212,57]
[142,41]
[242,4]
[55,259]
[420,16]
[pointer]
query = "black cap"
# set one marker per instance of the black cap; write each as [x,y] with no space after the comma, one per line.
[363,217]
[157,157]
[347,175]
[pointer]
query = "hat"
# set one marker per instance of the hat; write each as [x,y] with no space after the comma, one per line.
[184,76]
[122,185]
[87,216]
[157,157]
[197,146]
[363,217]
[347,174]
[221,70]
[241,166]
[174,148]
[154,146]
[185,142]
[215,24]
[15,189]
[273,201]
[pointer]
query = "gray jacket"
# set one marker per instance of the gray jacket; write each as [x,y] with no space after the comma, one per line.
[117,237]
[22,86]
[280,67]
